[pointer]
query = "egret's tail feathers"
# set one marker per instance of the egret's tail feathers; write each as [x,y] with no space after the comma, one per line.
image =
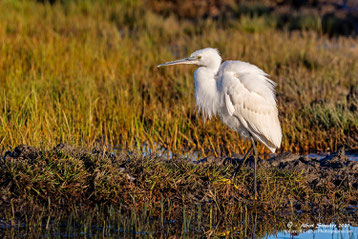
[272,149]
[270,146]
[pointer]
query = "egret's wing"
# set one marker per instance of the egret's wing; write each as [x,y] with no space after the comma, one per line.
[250,96]
[228,103]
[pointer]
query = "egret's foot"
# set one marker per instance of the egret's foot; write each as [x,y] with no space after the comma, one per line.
[253,197]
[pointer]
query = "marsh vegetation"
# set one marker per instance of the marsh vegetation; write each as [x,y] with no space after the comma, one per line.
[83,73]
[71,191]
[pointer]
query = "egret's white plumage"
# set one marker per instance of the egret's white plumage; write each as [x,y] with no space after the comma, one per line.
[240,93]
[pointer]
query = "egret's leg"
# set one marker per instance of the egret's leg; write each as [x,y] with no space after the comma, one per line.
[255,165]
[243,162]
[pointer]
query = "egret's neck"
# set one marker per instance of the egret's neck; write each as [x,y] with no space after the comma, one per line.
[206,91]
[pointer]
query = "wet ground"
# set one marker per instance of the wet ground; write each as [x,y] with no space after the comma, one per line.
[336,169]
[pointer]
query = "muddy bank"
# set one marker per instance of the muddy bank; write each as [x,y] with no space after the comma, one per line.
[67,177]
[334,170]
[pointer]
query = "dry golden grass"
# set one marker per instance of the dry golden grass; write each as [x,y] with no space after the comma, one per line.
[85,73]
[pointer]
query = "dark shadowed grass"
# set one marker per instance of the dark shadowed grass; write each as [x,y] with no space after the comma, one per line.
[67,178]
[69,191]
[84,72]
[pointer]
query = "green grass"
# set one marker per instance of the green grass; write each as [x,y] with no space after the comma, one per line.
[84,73]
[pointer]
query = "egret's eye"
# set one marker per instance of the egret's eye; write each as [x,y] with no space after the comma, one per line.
[199,57]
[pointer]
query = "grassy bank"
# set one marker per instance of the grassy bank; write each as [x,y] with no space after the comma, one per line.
[74,191]
[85,73]
[67,178]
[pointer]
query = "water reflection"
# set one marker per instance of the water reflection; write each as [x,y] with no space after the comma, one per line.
[248,224]
[306,230]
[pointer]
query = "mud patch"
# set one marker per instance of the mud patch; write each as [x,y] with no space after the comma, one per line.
[22,152]
[334,170]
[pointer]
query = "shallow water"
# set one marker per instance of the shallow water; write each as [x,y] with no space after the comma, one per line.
[351,156]
[306,231]
[194,156]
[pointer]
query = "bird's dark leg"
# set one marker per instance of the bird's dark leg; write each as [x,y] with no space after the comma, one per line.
[255,165]
[243,162]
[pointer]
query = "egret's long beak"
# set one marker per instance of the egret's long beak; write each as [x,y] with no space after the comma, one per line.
[188,60]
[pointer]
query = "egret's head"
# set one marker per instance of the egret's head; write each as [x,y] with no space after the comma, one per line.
[208,57]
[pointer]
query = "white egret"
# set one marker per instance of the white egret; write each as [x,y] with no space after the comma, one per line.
[241,94]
